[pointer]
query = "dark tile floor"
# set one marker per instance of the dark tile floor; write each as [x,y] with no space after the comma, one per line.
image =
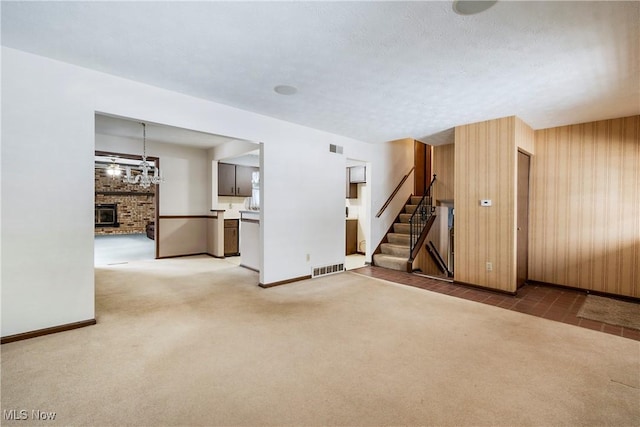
[548,302]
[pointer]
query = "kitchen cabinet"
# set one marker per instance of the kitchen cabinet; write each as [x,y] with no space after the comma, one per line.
[231,237]
[234,180]
[352,189]
[351,244]
[357,174]
[226,179]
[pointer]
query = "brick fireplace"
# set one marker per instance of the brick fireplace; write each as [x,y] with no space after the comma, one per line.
[122,208]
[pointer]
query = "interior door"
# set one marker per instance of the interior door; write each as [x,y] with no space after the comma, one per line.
[524,164]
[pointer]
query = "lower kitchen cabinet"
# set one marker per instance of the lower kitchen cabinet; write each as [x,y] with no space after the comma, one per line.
[352,236]
[231,237]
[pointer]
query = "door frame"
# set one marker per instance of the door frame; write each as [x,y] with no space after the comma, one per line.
[522,260]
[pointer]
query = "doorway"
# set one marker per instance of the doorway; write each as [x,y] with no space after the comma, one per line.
[357,209]
[522,271]
[125,215]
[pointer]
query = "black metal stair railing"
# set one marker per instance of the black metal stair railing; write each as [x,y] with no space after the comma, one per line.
[421,216]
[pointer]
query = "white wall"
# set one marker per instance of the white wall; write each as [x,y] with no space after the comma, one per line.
[48,134]
[314,224]
[386,165]
[232,206]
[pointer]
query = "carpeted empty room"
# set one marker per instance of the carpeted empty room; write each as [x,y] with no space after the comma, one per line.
[195,341]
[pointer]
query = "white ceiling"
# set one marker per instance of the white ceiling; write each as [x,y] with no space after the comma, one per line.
[375,71]
[129,128]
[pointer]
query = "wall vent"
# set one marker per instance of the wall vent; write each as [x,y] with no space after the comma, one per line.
[327,269]
[335,148]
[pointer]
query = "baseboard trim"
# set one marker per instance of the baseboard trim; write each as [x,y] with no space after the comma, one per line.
[180,256]
[250,268]
[484,288]
[587,291]
[47,331]
[284,282]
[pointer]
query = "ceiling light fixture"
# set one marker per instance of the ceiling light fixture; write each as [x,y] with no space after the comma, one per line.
[144,179]
[114,170]
[285,90]
[471,7]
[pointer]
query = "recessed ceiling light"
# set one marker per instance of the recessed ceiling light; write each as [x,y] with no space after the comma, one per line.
[471,7]
[285,90]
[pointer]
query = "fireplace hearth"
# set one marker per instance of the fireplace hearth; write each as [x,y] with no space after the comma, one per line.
[107,215]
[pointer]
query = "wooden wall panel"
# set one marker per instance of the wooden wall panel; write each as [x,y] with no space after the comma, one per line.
[444,168]
[585,206]
[485,155]
[525,136]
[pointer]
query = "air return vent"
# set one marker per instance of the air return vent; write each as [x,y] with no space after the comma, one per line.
[327,269]
[335,148]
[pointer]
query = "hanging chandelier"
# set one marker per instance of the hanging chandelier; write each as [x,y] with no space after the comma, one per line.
[114,170]
[143,178]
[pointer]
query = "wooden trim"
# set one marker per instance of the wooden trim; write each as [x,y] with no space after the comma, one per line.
[388,202]
[180,256]
[185,216]
[484,288]
[586,291]
[124,155]
[254,221]
[250,268]
[47,331]
[284,282]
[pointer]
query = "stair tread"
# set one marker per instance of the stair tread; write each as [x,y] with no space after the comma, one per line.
[402,236]
[398,245]
[401,228]
[391,257]
[405,217]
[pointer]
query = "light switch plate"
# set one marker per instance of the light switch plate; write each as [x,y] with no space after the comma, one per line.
[485,202]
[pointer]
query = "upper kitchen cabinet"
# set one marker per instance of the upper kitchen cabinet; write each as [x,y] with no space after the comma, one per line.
[357,174]
[243,180]
[234,180]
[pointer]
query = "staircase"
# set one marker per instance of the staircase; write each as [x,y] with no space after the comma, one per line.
[397,248]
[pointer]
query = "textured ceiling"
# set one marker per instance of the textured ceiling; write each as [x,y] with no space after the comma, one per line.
[375,71]
[116,126]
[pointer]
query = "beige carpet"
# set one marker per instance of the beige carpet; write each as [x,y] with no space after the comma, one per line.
[194,341]
[611,311]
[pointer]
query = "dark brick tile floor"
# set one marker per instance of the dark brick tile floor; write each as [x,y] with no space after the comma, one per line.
[558,304]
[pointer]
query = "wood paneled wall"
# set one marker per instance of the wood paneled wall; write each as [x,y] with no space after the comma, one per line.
[525,136]
[485,155]
[444,168]
[585,206]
